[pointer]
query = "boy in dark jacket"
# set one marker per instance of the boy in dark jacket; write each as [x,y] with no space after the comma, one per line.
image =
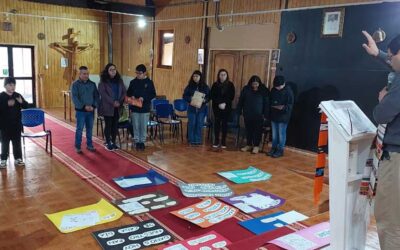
[85,97]
[254,103]
[141,88]
[11,104]
[281,109]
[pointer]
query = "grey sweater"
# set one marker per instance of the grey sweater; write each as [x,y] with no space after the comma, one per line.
[388,111]
[84,94]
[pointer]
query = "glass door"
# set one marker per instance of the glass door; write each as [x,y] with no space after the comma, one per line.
[17,61]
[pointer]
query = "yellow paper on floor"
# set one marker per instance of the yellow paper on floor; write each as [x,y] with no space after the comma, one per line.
[83,217]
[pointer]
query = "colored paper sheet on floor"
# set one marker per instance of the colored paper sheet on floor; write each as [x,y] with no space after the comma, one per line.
[135,236]
[83,217]
[151,178]
[220,189]
[272,221]
[255,201]
[145,203]
[206,213]
[310,238]
[250,174]
[211,240]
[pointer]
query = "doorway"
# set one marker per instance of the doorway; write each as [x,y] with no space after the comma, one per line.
[18,62]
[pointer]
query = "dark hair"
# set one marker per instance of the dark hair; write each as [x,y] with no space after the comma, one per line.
[279,81]
[254,78]
[104,76]
[394,45]
[193,83]
[83,68]
[141,68]
[227,75]
[9,80]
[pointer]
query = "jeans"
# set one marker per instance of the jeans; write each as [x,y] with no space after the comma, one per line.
[253,127]
[195,126]
[15,137]
[84,119]
[111,126]
[139,122]
[278,135]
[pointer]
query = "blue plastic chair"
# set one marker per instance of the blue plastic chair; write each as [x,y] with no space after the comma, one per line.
[234,124]
[32,118]
[180,105]
[165,116]
[155,102]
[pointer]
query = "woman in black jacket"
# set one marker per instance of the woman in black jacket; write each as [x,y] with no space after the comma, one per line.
[254,103]
[222,94]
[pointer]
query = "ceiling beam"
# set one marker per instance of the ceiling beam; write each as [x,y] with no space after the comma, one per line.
[103,5]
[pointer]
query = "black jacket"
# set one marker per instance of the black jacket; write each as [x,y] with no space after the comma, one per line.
[281,97]
[142,88]
[254,104]
[222,93]
[11,116]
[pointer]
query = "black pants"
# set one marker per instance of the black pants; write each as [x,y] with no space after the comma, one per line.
[111,126]
[15,138]
[253,130]
[220,124]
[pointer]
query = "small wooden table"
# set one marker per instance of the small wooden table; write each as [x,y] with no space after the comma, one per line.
[67,95]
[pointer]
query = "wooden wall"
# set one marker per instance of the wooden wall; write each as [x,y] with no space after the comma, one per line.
[25,32]
[305,3]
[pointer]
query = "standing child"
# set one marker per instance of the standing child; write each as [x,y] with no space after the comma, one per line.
[11,104]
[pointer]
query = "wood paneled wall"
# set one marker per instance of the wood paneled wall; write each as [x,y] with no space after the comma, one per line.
[25,30]
[305,3]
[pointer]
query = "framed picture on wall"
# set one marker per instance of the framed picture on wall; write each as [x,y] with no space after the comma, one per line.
[332,22]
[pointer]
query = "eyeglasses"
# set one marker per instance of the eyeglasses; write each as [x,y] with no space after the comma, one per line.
[139,73]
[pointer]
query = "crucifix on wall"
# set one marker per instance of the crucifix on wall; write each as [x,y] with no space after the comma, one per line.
[70,50]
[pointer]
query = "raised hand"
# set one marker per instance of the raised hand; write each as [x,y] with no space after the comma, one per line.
[371,47]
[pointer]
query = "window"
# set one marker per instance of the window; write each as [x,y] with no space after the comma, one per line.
[166,48]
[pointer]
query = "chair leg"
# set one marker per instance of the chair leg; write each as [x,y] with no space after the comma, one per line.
[47,143]
[119,139]
[180,124]
[51,144]
[102,129]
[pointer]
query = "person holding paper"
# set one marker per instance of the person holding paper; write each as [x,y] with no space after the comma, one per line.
[254,104]
[387,115]
[281,109]
[222,94]
[85,98]
[142,89]
[196,94]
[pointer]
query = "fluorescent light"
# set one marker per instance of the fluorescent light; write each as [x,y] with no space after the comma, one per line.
[142,23]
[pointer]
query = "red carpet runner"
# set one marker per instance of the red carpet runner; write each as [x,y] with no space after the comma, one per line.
[99,168]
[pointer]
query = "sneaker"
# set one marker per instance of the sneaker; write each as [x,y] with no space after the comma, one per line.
[278,153]
[78,150]
[142,146]
[223,146]
[3,164]
[91,148]
[137,146]
[271,152]
[115,147]
[109,147]
[215,146]
[245,149]
[19,162]
[255,150]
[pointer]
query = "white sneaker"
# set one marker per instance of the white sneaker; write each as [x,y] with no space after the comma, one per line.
[245,149]
[19,162]
[255,150]
[3,164]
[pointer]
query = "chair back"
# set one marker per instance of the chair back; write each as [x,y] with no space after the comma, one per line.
[180,105]
[32,117]
[155,102]
[233,121]
[164,110]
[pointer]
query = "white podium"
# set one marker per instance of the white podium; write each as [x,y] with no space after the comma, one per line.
[350,134]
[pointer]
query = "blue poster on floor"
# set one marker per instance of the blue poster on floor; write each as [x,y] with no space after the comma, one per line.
[263,224]
[151,178]
[251,174]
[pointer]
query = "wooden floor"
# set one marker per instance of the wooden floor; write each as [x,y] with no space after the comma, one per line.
[45,185]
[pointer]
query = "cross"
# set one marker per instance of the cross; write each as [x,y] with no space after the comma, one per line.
[71,48]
